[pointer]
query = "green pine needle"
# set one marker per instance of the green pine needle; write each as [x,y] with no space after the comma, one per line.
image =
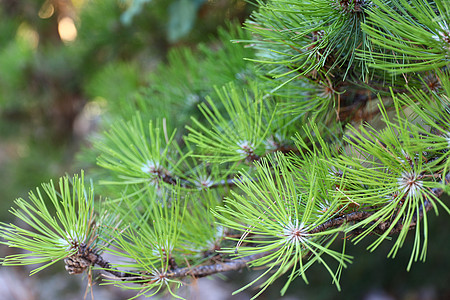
[276,217]
[239,132]
[57,222]
[137,154]
[416,34]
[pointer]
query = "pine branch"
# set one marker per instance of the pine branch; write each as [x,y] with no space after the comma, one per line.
[86,256]
[319,67]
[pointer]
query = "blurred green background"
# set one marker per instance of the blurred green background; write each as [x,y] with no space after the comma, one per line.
[64,66]
[65,63]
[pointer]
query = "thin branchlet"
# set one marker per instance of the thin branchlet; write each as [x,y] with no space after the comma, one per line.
[206,270]
[159,173]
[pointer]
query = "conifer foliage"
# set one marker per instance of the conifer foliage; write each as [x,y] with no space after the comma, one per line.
[284,152]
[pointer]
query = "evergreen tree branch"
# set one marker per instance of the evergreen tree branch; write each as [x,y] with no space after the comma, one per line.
[88,257]
[237,181]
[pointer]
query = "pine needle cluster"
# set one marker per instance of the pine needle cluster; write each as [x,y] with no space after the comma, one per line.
[333,121]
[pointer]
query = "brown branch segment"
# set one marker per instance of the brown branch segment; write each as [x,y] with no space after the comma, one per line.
[341,220]
[206,270]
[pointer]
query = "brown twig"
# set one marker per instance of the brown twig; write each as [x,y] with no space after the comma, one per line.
[206,270]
